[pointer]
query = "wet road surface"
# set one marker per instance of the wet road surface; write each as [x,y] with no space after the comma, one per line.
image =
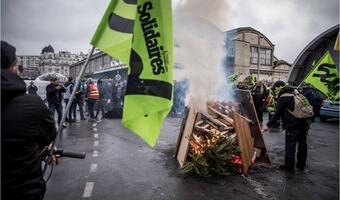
[119,165]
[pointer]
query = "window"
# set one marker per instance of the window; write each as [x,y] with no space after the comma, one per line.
[231,52]
[253,55]
[268,56]
[265,56]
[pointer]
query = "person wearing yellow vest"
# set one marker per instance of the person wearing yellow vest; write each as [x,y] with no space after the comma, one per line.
[271,99]
[92,95]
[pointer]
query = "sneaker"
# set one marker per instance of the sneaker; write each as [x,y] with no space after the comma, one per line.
[73,120]
[91,120]
[284,168]
[83,118]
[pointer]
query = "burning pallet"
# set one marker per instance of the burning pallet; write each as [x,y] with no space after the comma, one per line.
[201,130]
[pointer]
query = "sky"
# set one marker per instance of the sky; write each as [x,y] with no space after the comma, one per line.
[69,25]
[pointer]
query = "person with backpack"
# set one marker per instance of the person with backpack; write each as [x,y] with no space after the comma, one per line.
[314,99]
[294,110]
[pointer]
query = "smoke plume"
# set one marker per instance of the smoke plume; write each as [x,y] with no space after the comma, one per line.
[199,48]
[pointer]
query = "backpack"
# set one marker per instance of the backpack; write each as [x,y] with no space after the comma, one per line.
[302,107]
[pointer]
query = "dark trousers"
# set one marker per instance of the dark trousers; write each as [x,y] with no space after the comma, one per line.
[259,111]
[81,110]
[90,106]
[72,110]
[56,107]
[296,135]
[100,108]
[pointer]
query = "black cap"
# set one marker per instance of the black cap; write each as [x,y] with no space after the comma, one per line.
[7,55]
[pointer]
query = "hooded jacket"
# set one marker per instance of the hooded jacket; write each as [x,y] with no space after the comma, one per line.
[26,127]
[284,103]
[54,95]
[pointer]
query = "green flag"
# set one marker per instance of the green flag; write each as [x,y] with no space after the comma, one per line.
[234,78]
[325,77]
[139,33]
[253,79]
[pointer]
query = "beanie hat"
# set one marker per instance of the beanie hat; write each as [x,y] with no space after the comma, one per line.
[7,55]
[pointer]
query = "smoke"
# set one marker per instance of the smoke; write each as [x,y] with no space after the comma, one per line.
[199,48]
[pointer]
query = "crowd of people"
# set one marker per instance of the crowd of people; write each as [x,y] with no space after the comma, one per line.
[265,98]
[87,92]
[280,101]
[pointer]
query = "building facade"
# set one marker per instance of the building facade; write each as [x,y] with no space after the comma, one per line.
[99,64]
[57,62]
[251,52]
[31,69]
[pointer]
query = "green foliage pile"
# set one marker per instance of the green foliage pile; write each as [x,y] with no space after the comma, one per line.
[217,160]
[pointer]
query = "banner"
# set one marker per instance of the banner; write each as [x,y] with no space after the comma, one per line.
[325,77]
[140,33]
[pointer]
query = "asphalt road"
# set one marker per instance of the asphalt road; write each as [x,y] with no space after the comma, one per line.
[119,165]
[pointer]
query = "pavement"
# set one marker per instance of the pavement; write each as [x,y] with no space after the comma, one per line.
[119,165]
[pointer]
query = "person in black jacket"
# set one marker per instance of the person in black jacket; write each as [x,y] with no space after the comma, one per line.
[296,131]
[27,127]
[259,93]
[54,95]
[32,89]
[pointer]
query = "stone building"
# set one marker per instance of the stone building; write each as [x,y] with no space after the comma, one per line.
[313,52]
[100,65]
[31,69]
[57,62]
[251,52]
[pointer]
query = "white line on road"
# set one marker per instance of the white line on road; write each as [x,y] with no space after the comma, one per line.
[93,167]
[88,189]
[96,143]
[96,135]
[94,125]
[95,129]
[95,153]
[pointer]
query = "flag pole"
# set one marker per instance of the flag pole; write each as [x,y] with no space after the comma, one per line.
[75,88]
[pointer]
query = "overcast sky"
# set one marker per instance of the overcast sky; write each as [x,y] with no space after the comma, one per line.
[69,24]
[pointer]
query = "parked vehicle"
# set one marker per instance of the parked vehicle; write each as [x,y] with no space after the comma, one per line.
[329,110]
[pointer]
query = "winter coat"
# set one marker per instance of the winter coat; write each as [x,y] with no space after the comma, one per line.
[80,94]
[54,95]
[32,89]
[284,103]
[26,127]
[259,94]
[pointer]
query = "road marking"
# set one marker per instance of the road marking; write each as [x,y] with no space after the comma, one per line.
[88,189]
[96,143]
[94,125]
[95,129]
[95,153]
[96,135]
[93,167]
